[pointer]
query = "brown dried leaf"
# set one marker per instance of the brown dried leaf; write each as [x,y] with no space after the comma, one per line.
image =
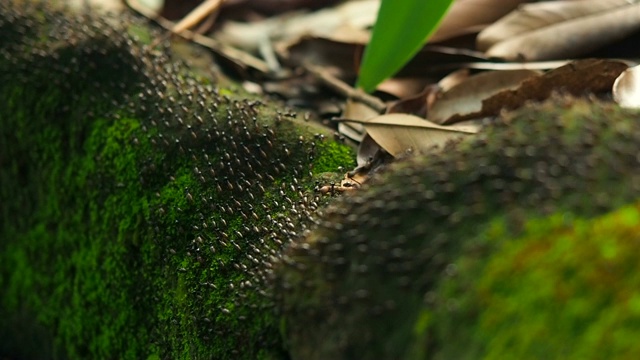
[467,97]
[559,29]
[576,78]
[399,134]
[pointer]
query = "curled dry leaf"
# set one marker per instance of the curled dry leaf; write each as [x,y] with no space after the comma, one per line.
[576,78]
[355,110]
[466,97]
[538,15]
[417,104]
[466,15]
[559,29]
[399,134]
[367,150]
[626,88]
[403,87]
[453,79]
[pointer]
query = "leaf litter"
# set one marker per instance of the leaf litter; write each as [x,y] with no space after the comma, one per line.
[487,56]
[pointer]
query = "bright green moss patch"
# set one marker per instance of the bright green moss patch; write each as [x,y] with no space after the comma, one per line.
[564,289]
[337,157]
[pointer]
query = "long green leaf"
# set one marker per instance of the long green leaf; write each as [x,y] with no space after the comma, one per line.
[401,29]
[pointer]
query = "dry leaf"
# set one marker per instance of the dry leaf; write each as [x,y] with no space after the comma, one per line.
[403,87]
[402,133]
[626,88]
[576,78]
[355,110]
[537,15]
[453,79]
[367,150]
[344,56]
[344,21]
[502,66]
[466,15]
[417,104]
[559,29]
[466,97]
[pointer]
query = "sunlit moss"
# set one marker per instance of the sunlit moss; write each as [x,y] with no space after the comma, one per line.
[566,288]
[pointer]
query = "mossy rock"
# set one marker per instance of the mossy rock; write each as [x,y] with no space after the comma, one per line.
[411,266]
[141,207]
[567,288]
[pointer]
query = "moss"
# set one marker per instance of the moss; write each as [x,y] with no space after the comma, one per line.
[143,208]
[340,156]
[563,289]
[375,264]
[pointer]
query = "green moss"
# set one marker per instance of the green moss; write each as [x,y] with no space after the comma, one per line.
[379,263]
[338,157]
[143,209]
[564,289]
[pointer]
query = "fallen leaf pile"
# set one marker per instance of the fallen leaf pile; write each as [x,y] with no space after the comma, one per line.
[487,56]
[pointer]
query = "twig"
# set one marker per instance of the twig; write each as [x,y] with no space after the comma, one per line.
[189,21]
[196,15]
[234,54]
[344,88]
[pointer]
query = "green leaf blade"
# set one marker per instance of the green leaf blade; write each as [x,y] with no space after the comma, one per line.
[401,29]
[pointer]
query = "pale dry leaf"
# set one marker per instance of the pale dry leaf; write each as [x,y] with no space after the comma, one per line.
[453,79]
[344,21]
[403,87]
[399,134]
[465,15]
[626,88]
[534,16]
[568,34]
[355,110]
[466,97]
[502,66]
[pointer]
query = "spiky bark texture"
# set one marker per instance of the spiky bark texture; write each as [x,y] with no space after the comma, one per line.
[141,206]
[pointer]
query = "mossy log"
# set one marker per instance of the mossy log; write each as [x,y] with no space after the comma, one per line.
[141,206]
[483,250]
